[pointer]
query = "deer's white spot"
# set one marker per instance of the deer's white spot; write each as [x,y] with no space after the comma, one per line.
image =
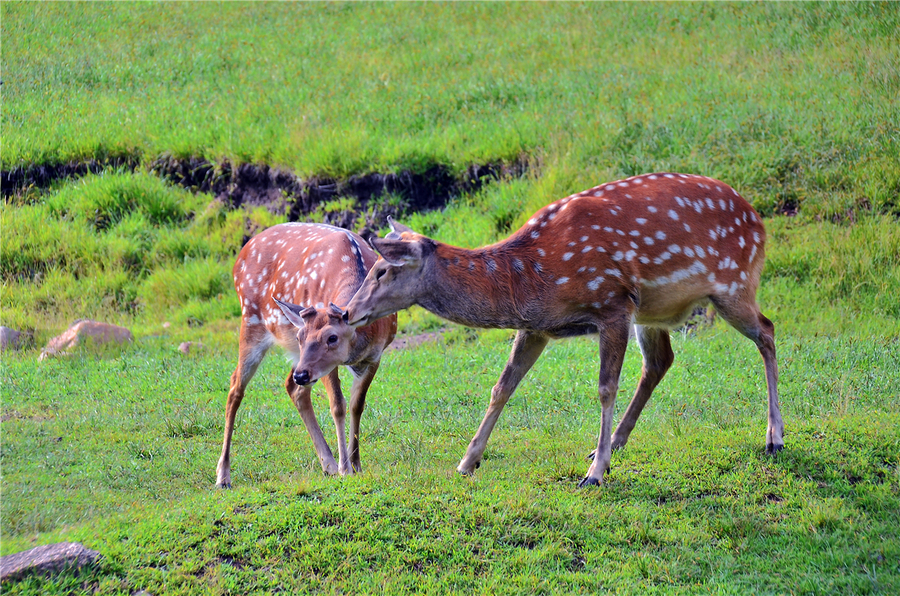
[535,235]
[583,238]
[542,252]
[673,215]
[567,256]
[674,249]
[595,283]
[688,251]
[611,187]
[709,203]
[618,256]
[660,235]
[643,259]
[648,241]
[651,209]
[641,220]
[741,242]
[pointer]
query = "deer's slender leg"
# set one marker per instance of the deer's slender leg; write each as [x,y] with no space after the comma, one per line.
[658,357]
[249,357]
[332,384]
[613,342]
[362,379]
[526,349]
[302,398]
[746,318]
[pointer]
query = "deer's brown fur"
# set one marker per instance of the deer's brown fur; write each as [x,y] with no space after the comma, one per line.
[642,251]
[316,266]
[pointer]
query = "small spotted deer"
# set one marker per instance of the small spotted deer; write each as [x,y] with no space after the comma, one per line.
[644,251]
[315,265]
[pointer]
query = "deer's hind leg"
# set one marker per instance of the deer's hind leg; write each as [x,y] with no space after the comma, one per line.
[250,354]
[613,343]
[656,348]
[746,318]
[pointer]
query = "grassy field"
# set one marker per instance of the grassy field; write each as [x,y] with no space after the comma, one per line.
[795,105]
[691,505]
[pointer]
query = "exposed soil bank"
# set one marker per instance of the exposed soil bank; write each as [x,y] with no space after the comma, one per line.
[341,202]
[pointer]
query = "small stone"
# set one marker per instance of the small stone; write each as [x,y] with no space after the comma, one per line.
[45,560]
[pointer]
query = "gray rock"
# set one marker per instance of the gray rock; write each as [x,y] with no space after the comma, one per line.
[44,560]
[10,339]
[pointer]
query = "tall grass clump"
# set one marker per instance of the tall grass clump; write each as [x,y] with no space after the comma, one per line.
[121,247]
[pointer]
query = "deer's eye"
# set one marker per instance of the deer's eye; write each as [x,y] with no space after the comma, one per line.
[380,273]
[332,339]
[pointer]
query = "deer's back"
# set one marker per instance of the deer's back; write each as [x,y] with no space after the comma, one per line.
[665,241]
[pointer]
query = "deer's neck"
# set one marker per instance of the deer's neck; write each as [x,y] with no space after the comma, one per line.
[491,287]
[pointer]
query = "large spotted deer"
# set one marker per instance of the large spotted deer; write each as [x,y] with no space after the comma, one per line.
[318,266]
[644,251]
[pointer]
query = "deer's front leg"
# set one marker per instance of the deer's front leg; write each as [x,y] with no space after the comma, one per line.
[362,379]
[613,342]
[332,384]
[301,396]
[527,348]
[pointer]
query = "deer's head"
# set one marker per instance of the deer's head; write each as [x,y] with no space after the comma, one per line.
[325,339]
[393,282]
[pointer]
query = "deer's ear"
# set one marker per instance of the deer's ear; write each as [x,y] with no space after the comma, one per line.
[397,229]
[296,314]
[397,252]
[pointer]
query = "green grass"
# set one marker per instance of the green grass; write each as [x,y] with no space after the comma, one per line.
[795,103]
[691,505]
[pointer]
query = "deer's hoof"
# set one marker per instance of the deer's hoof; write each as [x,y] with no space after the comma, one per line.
[466,471]
[588,481]
[223,485]
[772,448]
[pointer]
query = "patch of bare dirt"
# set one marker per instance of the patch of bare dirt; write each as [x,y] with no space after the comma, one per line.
[341,202]
[411,341]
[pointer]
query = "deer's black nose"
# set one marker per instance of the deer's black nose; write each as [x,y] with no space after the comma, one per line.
[302,377]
